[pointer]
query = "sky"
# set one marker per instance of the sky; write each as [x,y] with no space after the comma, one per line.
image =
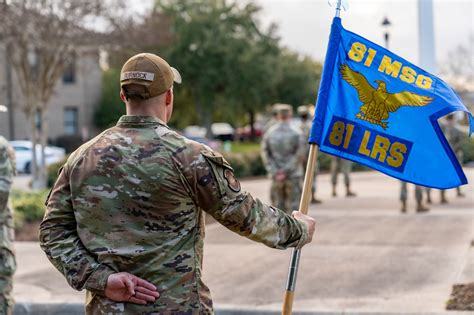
[304,24]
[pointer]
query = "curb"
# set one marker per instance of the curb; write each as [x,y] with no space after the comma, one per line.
[23,308]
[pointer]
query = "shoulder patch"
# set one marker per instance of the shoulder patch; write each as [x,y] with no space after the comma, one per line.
[215,157]
[232,182]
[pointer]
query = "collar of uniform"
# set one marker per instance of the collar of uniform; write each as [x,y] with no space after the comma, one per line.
[139,121]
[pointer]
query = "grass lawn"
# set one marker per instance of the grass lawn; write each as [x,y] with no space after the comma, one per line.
[245,147]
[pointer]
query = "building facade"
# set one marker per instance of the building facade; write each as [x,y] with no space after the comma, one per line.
[72,106]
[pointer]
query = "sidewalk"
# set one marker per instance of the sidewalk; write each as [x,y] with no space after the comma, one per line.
[366,257]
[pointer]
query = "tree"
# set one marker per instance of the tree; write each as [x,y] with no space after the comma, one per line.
[209,39]
[459,64]
[41,36]
[111,107]
[298,79]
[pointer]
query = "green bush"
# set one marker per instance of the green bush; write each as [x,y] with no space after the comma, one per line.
[255,164]
[238,163]
[468,150]
[28,206]
[246,164]
[53,170]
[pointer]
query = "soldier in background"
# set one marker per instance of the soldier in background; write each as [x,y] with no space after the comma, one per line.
[345,166]
[418,196]
[125,218]
[305,114]
[283,148]
[273,120]
[7,254]
[455,138]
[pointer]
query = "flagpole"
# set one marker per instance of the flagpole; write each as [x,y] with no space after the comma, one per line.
[303,208]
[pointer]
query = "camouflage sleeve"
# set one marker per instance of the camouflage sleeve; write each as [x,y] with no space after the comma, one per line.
[62,245]
[7,172]
[211,181]
[267,157]
[297,158]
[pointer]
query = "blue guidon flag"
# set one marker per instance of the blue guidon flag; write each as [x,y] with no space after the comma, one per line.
[380,110]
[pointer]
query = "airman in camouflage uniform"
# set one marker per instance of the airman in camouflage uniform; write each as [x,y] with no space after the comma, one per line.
[304,112]
[132,200]
[283,148]
[418,196]
[7,255]
[345,166]
[273,120]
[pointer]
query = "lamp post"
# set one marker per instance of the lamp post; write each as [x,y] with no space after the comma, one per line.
[386,24]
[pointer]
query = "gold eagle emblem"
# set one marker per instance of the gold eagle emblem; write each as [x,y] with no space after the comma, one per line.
[377,103]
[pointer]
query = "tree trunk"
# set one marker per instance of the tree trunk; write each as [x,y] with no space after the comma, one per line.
[43,135]
[205,116]
[34,158]
[253,136]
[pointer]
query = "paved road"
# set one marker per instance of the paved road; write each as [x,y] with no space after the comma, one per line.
[366,256]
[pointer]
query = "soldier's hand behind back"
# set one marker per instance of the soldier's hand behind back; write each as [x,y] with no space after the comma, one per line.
[125,287]
[308,221]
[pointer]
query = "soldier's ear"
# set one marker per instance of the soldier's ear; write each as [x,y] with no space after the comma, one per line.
[169,96]
[122,96]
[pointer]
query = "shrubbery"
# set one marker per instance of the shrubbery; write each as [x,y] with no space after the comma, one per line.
[29,206]
[53,170]
[468,151]
[246,164]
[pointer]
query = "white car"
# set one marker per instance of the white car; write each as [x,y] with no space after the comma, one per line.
[223,131]
[24,155]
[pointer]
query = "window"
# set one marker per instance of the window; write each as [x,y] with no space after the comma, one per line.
[69,75]
[71,126]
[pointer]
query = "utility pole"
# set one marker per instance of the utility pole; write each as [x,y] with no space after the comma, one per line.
[386,35]
[426,57]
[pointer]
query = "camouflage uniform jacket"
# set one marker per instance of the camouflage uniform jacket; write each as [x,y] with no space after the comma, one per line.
[306,130]
[455,137]
[283,149]
[7,171]
[132,199]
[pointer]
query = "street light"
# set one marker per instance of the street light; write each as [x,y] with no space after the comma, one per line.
[3,108]
[386,24]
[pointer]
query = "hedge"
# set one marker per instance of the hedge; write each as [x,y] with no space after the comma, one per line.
[250,164]
[29,206]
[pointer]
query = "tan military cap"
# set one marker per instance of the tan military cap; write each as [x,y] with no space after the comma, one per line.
[147,75]
[303,110]
[283,109]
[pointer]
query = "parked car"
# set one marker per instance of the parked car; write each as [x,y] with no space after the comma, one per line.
[24,155]
[244,133]
[223,131]
[213,144]
[194,132]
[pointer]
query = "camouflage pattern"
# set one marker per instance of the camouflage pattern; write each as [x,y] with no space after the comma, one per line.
[269,124]
[404,192]
[7,254]
[340,165]
[132,200]
[305,130]
[283,148]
